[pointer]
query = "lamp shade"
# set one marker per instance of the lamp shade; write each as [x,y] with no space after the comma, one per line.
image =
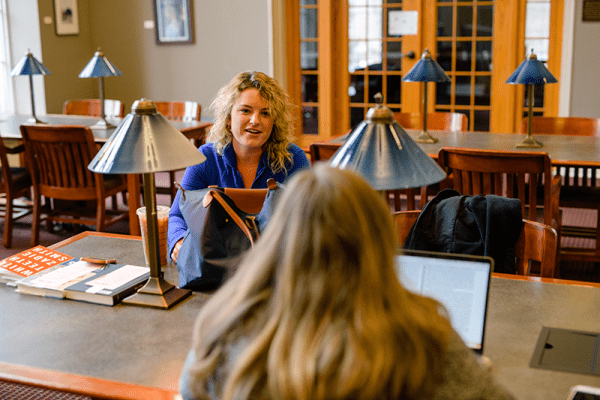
[145,142]
[99,66]
[531,72]
[29,65]
[426,70]
[385,155]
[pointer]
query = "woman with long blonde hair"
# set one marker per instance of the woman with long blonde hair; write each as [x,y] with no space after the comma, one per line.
[248,143]
[316,311]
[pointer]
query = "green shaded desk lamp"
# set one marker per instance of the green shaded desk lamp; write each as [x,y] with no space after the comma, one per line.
[29,65]
[145,143]
[531,72]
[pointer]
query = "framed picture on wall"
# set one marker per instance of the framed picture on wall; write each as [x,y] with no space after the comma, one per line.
[174,21]
[66,17]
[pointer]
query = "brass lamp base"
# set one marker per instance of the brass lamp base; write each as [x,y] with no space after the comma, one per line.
[103,124]
[157,293]
[529,142]
[425,137]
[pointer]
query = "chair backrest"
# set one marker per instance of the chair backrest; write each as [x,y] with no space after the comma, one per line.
[504,173]
[91,107]
[574,126]
[6,176]
[441,121]
[537,243]
[179,110]
[58,157]
[323,151]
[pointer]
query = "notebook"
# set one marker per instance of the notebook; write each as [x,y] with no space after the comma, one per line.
[460,282]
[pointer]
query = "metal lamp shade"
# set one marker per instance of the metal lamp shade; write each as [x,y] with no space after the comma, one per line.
[29,65]
[99,66]
[385,155]
[426,70]
[531,72]
[145,142]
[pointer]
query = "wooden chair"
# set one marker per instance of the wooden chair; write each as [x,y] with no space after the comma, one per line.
[441,121]
[21,382]
[58,156]
[91,107]
[180,111]
[537,244]
[580,185]
[397,198]
[15,182]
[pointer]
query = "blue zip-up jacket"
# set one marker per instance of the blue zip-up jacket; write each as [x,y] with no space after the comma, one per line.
[221,170]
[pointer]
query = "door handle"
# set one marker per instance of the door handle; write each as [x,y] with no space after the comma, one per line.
[410,54]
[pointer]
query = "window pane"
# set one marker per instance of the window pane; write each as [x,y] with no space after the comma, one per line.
[483,56]
[309,55]
[357,115]
[483,88]
[485,20]
[375,55]
[463,90]
[357,23]
[445,21]
[465,21]
[375,23]
[537,21]
[308,2]
[442,93]
[310,120]
[444,55]
[393,89]
[463,56]
[310,88]
[482,120]
[539,46]
[375,2]
[394,56]
[356,91]
[375,86]
[357,56]
[357,2]
[308,23]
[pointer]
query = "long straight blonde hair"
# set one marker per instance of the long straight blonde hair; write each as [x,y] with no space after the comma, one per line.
[320,305]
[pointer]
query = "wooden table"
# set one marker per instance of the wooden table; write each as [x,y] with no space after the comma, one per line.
[9,129]
[148,346]
[562,149]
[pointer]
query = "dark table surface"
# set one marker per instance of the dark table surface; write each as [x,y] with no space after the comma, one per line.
[148,346]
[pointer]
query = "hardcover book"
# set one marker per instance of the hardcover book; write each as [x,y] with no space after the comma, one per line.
[109,285]
[29,263]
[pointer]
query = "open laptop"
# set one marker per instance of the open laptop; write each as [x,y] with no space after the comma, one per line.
[460,282]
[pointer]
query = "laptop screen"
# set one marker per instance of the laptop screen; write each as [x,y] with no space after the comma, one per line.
[459,282]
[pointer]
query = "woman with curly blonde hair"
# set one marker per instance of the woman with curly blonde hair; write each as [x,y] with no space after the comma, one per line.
[316,312]
[248,143]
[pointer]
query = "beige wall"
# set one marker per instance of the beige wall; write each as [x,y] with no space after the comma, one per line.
[230,37]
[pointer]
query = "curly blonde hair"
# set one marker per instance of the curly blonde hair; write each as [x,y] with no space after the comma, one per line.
[320,306]
[280,108]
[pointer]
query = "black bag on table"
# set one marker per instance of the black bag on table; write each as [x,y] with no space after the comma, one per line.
[222,225]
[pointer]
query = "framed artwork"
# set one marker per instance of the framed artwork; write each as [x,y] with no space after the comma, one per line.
[174,21]
[66,17]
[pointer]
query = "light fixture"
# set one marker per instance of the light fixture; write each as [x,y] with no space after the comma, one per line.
[426,70]
[29,65]
[385,155]
[145,143]
[99,67]
[531,72]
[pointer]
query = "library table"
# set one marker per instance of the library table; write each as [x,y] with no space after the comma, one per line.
[147,346]
[9,129]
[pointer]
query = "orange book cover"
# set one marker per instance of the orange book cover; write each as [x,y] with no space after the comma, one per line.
[30,262]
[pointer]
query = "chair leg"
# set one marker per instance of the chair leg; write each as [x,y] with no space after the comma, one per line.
[8,222]
[35,224]
[101,215]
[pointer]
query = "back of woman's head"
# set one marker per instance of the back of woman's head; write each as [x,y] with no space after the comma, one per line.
[329,317]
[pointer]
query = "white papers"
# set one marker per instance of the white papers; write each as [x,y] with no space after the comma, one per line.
[119,277]
[60,276]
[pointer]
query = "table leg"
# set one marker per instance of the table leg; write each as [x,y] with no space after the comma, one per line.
[133,187]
